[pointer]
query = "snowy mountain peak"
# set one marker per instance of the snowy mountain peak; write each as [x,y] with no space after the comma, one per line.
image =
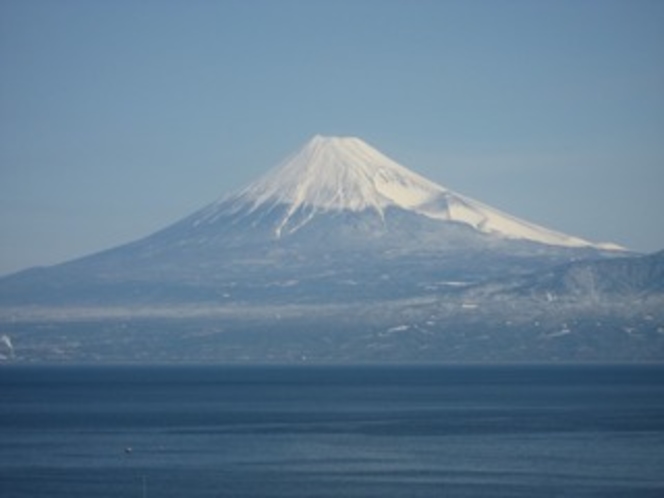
[345,173]
[337,173]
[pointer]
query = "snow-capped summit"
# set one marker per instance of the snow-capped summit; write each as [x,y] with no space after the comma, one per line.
[345,173]
[336,173]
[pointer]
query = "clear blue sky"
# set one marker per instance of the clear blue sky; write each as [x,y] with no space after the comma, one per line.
[119,117]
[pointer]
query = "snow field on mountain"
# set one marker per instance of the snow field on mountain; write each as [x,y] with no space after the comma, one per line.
[345,173]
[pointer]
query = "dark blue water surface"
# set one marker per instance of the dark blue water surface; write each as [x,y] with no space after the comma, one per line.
[384,432]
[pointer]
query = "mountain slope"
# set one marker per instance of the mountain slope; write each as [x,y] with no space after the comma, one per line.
[613,278]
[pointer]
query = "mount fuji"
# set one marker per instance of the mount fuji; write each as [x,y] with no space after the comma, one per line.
[337,254]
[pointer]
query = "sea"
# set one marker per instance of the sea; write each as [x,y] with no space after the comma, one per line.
[331,431]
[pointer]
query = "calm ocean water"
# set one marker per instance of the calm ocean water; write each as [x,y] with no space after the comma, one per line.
[331,431]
